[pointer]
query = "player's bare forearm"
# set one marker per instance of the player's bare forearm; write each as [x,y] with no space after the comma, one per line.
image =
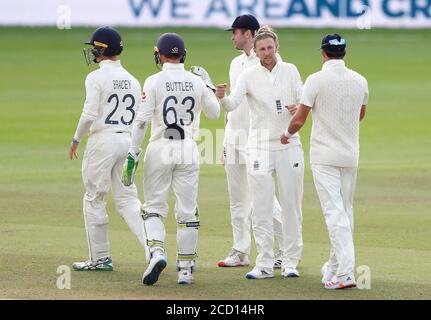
[296,123]
[362,114]
[73,149]
[298,119]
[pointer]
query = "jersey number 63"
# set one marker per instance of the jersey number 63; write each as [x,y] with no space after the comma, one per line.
[172,110]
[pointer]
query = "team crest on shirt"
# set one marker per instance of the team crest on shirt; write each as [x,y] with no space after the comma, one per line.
[256,165]
[143,97]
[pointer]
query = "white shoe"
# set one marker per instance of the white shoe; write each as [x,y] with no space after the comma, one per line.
[259,273]
[156,266]
[327,275]
[278,260]
[104,264]
[289,272]
[185,276]
[234,259]
[343,282]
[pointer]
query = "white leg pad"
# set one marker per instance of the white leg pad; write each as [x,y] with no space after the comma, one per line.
[187,241]
[155,231]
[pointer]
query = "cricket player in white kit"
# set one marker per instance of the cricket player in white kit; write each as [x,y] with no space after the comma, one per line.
[172,100]
[112,100]
[337,97]
[268,88]
[235,140]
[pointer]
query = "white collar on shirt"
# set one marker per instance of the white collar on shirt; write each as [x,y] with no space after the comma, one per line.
[173,66]
[109,63]
[334,63]
[249,57]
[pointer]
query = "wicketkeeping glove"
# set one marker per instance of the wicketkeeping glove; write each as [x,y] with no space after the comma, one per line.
[129,168]
[201,72]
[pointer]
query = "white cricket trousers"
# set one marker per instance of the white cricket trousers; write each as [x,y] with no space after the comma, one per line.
[240,200]
[336,187]
[288,165]
[102,167]
[172,163]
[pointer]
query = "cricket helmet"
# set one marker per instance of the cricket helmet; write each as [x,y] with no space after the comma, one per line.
[171,45]
[107,38]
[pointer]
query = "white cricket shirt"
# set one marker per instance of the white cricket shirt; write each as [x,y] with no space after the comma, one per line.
[112,98]
[336,95]
[237,127]
[175,96]
[267,93]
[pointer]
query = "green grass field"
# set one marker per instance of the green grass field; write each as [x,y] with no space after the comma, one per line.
[41,223]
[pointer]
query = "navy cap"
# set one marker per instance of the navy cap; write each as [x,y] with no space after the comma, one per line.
[171,44]
[333,43]
[245,21]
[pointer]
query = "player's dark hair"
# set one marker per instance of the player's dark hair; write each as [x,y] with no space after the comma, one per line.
[335,55]
[253,32]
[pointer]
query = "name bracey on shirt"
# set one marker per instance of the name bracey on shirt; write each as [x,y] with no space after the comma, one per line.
[179,86]
[122,84]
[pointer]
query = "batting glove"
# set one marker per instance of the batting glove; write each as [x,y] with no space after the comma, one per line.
[129,168]
[201,72]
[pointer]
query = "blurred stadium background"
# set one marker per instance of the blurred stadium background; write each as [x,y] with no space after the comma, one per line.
[41,96]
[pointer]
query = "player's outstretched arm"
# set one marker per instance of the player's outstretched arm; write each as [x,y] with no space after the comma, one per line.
[204,75]
[231,102]
[210,105]
[296,123]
